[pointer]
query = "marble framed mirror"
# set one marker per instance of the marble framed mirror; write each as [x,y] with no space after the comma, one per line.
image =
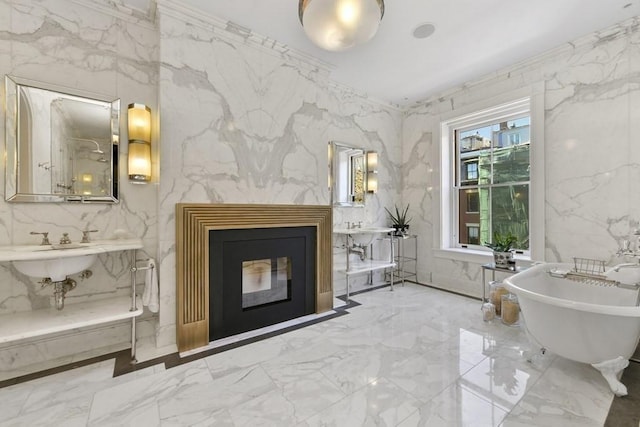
[348,174]
[60,146]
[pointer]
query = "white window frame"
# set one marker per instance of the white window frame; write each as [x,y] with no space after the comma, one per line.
[529,99]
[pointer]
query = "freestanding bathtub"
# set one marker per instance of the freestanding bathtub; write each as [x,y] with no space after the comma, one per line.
[582,321]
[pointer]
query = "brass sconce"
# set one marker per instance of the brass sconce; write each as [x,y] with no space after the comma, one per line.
[139,123]
[372,172]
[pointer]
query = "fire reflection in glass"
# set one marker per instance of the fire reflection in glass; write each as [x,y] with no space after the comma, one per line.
[265,281]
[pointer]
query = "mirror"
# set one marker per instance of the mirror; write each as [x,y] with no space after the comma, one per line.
[348,174]
[59,146]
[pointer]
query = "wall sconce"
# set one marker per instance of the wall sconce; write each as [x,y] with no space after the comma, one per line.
[372,172]
[139,122]
[330,160]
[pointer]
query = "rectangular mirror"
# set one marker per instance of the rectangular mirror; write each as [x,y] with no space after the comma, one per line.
[60,147]
[347,174]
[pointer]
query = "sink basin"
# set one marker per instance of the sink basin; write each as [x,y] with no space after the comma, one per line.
[54,247]
[363,235]
[56,268]
[58,261]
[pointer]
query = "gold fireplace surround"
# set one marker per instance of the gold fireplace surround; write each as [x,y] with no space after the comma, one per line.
[193,223]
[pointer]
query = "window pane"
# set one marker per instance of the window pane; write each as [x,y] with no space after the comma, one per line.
[470,145]
[484,168]
[473,233]
[469,171]
[492,178]
[469,216]
[484,195]
[473,202]
[510,212]
[511,164]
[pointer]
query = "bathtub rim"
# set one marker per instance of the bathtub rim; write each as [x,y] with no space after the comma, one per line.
[614,310]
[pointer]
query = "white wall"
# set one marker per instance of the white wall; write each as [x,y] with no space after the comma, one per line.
[243,120]
[246,123]
[591,157]
[112,54]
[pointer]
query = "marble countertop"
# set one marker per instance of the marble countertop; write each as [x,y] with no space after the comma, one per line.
[363,230]
[37,252]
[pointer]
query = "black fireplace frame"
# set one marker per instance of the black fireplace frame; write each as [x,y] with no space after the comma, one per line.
[228,248]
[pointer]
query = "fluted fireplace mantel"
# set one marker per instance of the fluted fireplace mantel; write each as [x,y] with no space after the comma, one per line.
[194,221]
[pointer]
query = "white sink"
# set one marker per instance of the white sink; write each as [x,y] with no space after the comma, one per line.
[59,261]
[363,235]
[56,268]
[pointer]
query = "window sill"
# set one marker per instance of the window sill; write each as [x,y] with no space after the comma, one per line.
[474,256]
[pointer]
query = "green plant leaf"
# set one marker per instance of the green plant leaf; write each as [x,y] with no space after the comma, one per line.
[399,219]
[502,243]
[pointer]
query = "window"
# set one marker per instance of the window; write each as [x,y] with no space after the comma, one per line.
[490,164]
[471,169]
[473,233]
[473,201]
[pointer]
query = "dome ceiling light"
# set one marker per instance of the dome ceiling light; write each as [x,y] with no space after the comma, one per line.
[337,25]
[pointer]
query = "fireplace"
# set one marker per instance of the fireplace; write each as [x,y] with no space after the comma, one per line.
[266,280]
[260,277]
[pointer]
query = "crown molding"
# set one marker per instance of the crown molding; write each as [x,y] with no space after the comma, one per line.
[233,32]
[581,44]
[118,9]
[348,90]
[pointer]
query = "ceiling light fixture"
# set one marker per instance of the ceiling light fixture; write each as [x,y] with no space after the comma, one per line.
[337,25]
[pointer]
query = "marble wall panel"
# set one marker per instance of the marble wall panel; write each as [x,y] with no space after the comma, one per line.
[243,123]
[374,126]
[590,99]
[245,120]
[93,49]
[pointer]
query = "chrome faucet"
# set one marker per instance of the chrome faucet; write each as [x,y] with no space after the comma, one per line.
[45,237]
[65,240]
[358,249]
[85,235]
[626,265]
[625,249]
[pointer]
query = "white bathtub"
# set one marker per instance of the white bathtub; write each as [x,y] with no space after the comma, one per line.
[599,325]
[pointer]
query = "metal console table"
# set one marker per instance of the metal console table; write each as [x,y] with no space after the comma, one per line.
[492,268]
[406,258]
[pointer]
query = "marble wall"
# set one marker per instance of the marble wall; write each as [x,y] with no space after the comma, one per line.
[591,157]
[245,120]
[89,48]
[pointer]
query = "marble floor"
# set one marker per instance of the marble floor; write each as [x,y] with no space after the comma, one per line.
[413,357]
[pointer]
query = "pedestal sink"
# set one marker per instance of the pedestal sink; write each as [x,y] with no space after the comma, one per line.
[363,235]
[59,261]
[53,264]
[57,269]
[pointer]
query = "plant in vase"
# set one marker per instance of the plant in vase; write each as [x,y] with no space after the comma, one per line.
[399,220]
[502,246]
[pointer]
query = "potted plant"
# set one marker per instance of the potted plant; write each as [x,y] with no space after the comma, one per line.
[399,220]
[502,245]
